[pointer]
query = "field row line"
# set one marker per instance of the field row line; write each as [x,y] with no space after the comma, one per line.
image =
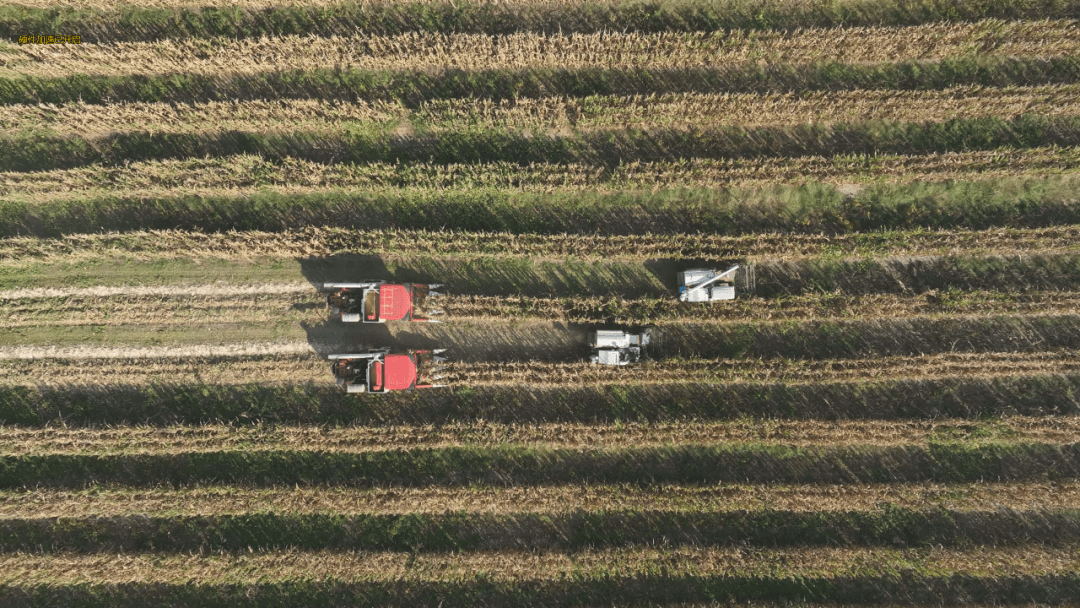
[547,116]
[327,242]
[420,51]
[230,500]
[172,440]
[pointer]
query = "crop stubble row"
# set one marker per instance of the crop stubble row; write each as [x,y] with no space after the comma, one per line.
[259,304]
[549,115]
[808,433]
[222,500]
[244,174]
[297,369]
[28,569]
[322,242]
[526,50]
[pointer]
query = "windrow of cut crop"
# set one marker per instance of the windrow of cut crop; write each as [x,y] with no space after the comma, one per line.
[465,531]
[514,465]
[36,151]
[413,87]
[163,404]
[1035,201]
[128,23]
[664,585]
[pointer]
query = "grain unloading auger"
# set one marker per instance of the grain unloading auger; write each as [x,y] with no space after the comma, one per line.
[380,301]
[704,285]
[382,371]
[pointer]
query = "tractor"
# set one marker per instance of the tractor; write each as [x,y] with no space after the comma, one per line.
[380,301]
[383,371]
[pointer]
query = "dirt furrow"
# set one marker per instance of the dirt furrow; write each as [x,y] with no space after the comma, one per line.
[184,439]
[106,502]
[30,569]
[527,50]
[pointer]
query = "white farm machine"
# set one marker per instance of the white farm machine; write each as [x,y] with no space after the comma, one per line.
[703,285]
[617,347]
[379,301]
[381,371]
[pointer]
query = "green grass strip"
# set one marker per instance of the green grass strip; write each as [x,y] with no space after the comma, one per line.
[514,465]
[461,531]
[369,143]
[414,87]
[143,23]
[1028,202]
[167,404]
[586,590]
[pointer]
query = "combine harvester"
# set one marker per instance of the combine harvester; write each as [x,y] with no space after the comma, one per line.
[703,285]
[379,301]
[617,347]
[380,371]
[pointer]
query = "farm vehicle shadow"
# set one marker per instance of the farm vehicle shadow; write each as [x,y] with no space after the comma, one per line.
[495,342]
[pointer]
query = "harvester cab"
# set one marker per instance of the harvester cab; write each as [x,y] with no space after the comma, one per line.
[704,285]
[617,347]
[381,371]
[379,301]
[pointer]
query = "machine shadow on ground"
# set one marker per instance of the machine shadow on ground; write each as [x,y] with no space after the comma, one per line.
[467,341]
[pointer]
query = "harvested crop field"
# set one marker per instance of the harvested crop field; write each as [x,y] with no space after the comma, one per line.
[886,414]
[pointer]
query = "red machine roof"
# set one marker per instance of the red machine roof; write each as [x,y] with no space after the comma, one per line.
[400,372]
[395,302]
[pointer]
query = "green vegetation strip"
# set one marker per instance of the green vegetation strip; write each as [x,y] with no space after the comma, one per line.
[528,466]
[663,586]
[413,87]
[1029,202]
[135,23]
[458,531]
[165,404]
[369,143]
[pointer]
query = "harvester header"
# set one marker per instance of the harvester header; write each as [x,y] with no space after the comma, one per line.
[382,371]
[380,301]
